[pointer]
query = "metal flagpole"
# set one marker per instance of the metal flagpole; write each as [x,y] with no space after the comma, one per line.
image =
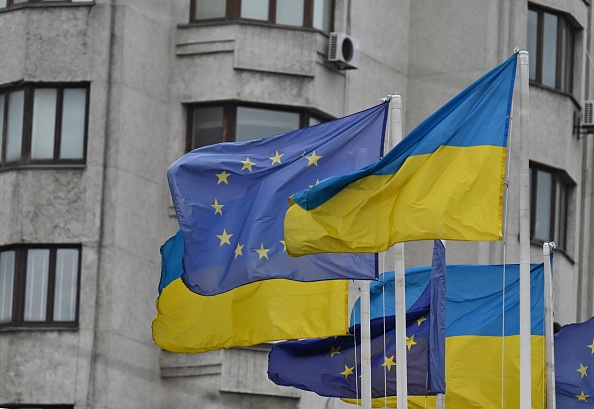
[440,397]
[525,328]
[365,347]
[549,334]
[400,300]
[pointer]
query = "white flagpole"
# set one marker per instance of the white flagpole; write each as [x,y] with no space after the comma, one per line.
[365,347]
[400,300]
[525,327]
[549,334]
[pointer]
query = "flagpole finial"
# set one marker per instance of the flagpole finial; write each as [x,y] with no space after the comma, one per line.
[389,97]
[516,50]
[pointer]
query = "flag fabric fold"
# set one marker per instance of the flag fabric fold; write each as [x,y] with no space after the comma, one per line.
[270,310]
[482,343]
[231,198]
[574,360]
[332,366]
[443,181]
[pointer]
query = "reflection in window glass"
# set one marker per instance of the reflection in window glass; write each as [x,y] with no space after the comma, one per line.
[206,9]
[290,12]
[14,126]
[66,285]
[255,123]
[531,42]
[207,126]
[542,228]
[549,53]
[44,123]
[73,123]
[2,4]
[6,285]
[36,284]
[322,15]
[254,9]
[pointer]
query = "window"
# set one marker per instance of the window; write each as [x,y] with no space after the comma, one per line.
[43,124]
[228,122]
[39,286]
[298,13]
[550,39]
[549,192]
[4,4]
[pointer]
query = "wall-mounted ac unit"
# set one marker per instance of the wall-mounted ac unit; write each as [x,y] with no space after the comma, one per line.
[343,50]
[588,115]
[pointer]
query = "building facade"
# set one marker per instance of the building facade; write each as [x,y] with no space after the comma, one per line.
[98,98]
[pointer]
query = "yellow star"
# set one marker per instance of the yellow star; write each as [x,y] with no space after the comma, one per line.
[223,177]
[582,397]
[389,362]
[583,370]
[317,181]
[262,252]
[276,158]
[247,164]
[334,351]
[224,238]
[238,250]
[591,346]
[218,207]
[313,159]
[421,320]
[284,245]
[349,371]
[410,342]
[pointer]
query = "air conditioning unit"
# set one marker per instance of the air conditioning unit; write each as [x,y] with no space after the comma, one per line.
[343,50]
[588,115]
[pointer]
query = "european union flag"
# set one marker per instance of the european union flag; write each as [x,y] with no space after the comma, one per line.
[231,198]
[574,360]
[331,366]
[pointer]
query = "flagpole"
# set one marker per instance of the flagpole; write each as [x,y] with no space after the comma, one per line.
[365,346]
[525,327]
[395,136]
[440,397]
[549,334]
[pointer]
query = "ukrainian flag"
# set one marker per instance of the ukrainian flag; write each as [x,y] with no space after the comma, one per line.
[482,345]
[445,180]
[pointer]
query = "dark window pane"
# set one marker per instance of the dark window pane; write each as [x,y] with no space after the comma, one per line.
[254,9]
[2,99]
[6,285]
[14,126]
[532,41]
[207,126]
[73,123]
[549,53]
[543,215]
[290,12]
[66,285]
[206,9]
[44,123]
[560,214]
[255,123]
[36,284]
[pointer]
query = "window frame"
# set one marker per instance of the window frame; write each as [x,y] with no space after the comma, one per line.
[233,13]
[558,177]
[567,30]
[27,125]
[20,282]
[37,3]
[229,124]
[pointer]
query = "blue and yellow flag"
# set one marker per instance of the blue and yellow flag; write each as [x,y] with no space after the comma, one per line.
[443,181]
[270,310]
[482,346]
[332,367]
[231,199]
[574,360]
